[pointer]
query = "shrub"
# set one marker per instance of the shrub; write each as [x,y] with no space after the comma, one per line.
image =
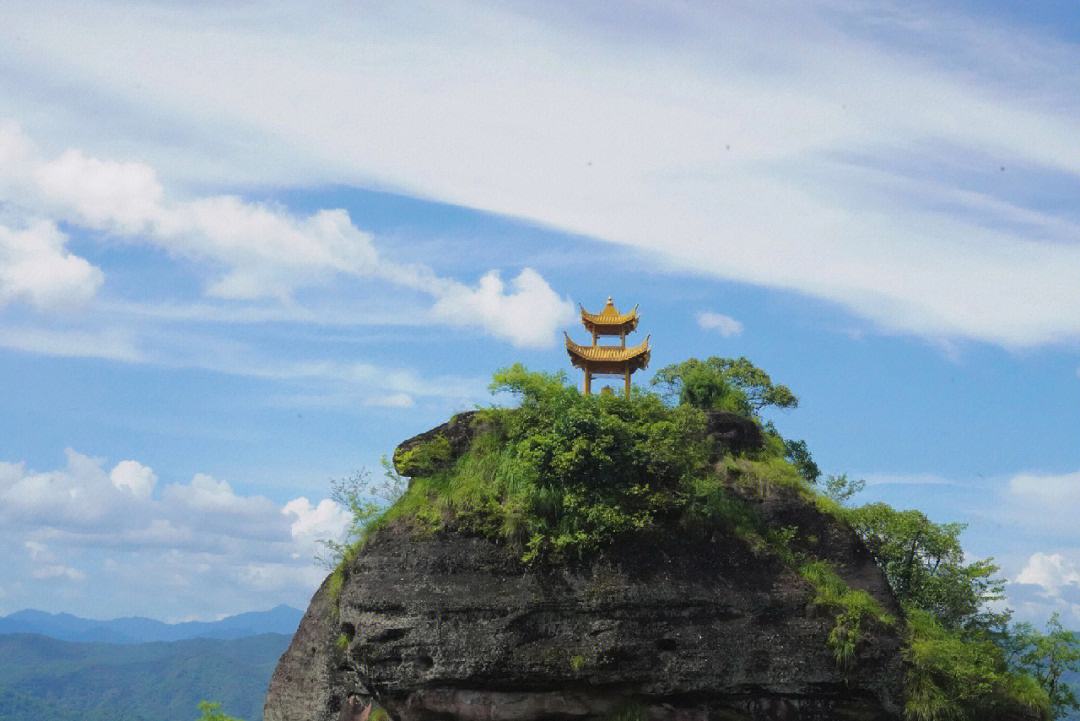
[963,676]
[211,711]
[855,610]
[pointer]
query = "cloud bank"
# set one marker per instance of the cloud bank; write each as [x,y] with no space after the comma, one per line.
[91,526]
[254,251]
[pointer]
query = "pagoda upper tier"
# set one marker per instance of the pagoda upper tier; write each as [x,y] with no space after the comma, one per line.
[609,321]
[608,360]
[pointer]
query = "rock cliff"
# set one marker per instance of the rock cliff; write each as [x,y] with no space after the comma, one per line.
[660,627]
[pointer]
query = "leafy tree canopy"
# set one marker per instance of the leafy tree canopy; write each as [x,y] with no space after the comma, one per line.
[924,564]
[1048,656]
[727,384]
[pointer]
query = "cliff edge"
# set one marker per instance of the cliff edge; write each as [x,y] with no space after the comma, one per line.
[670,622]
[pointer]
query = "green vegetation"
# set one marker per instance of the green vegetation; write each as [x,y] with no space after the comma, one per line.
[723,384]
[956,675]
[629,711]
[211,711]
[855,610]
[1047,657]
[924,565]
[43,679]
[563,475]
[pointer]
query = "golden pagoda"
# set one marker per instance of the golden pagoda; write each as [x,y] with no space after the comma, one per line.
[608,360]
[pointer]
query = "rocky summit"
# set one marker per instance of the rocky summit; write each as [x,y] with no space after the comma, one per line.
[659,626]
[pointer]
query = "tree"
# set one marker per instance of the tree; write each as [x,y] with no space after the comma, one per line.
[925,566]
[727,384]
[365,500]
[1047,656]
[798,454]
[211,711]
[841,490]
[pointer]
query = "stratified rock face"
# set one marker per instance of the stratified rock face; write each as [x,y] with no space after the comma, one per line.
[454,627]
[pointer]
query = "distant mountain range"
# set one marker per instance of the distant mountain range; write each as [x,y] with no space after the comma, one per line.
[66,627]
[43,679]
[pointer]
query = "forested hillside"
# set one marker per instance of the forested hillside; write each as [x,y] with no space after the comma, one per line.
[43,679]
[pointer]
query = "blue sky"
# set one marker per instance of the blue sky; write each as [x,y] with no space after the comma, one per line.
[247,249]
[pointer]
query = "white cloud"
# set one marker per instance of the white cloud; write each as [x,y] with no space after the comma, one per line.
[255,250]
[1052,571]
[124,196]
[77,496]
[1052,489]
[725,325]
[81,522]
[135,477]
[524,315]
[1039,503]
[327,520]
[801,163]
[206,494]
[36,267]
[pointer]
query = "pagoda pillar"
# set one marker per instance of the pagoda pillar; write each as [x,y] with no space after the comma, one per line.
[627,373]
[588,382]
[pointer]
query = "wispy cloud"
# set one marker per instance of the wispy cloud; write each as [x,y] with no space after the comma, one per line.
[110,344]
[909,479]
[314,381]
[798,163]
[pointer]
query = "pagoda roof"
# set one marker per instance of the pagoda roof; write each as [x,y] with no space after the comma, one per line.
[609,321]
[608,359]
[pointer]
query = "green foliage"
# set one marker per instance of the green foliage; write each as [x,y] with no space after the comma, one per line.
[211,711]
[366,501]
[765,473]
[43,679]
[564,474]
[577,663]
[628,711]
[798,454]
[841,489]
[1047,657]
[960,675]
[425,458]
[958,669]
[924,564]
[342,642]
[855,610]
[726,384]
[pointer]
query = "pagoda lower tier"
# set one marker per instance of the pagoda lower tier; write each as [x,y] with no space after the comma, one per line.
[599,360]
